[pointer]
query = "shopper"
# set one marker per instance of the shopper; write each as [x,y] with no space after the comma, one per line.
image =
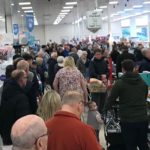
[70,78]
[132,93]
[72,134]
[98,69]
[51,65]
[14,104]
[29,133]
[145,63]
[125,55]
[94,118]
[83,64]
[51,103]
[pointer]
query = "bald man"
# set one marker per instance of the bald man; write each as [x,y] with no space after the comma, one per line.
[29,132]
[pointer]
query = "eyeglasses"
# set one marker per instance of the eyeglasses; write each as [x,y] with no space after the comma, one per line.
[46,134]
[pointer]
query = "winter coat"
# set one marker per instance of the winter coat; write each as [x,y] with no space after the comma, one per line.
[132,93]
[14,105]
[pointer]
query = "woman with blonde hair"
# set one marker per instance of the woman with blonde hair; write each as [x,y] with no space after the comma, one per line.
[70,78]
[51,102]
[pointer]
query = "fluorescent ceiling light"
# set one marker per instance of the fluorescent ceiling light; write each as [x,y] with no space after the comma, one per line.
[120,12]
[137,6]
[24,3]
[22,15]
[103,7]
[68,7]
[26,7]
[1,17]
[84,18]
[28,11]
[12,4]
[71,3]
[104,18]
[128,9]
[130,16]
[112,15]
[148,2]
[113,2]
[63,13]
[18,11]
[65,10]
[98,10]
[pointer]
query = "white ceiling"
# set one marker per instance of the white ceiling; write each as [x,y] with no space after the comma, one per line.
[47,11]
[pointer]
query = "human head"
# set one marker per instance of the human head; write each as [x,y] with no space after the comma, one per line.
[92,106]
[28,58]
[29,133]
[54,55]
[69,62]
[146,53]
[51,102]
[98,54]
[20,77]
[23,65]
[60,61]
[127,65]
[84,55]
[73,102]
[39,61]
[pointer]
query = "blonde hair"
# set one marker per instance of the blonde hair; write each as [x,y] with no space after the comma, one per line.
[71,97]
[51,102]
[69,62]
[23,65]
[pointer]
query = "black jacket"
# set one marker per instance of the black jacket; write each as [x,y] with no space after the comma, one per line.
[97,68]
[132,93]
[14,105]
[144,65]
[125,55]
[51,74]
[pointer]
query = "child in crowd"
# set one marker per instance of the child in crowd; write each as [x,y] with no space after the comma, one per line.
[94,118]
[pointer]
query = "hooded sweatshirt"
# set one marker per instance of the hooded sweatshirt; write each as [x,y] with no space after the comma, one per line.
[132,93]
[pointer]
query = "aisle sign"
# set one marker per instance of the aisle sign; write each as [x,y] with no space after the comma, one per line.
[94,20]
[15,29]
[30,21]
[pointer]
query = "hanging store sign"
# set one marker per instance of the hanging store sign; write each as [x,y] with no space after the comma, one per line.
[94,20]
[15,29]
[30,21]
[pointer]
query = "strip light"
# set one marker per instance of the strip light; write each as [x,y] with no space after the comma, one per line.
[71,3]
[26,8]
[113,2]
[68,7]
[24,3]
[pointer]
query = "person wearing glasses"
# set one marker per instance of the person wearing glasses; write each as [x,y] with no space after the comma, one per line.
[67,130]
[14,104]
[29,133]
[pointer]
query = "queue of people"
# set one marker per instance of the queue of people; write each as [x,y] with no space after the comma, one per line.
[26,102]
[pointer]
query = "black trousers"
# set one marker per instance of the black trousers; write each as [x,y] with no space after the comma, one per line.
[135,135]
[99,99]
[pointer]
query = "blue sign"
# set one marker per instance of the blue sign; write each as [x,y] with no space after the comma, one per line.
[30,21]
[15,29]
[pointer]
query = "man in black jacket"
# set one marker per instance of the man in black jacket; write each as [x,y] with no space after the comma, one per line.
[98,69]
[14,104]
[125,55]
[132,92]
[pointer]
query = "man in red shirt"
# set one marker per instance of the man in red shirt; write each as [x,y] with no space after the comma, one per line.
[66,131]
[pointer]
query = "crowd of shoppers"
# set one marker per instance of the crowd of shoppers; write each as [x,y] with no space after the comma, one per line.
[68,68]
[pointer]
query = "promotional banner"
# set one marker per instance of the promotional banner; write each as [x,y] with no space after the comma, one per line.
[30,21]
[94,20]
[15,29]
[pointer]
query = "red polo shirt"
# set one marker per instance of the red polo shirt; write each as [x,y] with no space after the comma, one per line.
[67,132]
